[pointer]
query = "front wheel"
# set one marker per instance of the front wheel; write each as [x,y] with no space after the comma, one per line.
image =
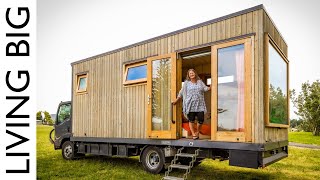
[153,160]
[68,151]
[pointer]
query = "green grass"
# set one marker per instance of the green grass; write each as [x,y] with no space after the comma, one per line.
[304,137]
[301,164]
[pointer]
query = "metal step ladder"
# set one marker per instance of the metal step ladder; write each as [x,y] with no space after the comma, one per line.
[175,165]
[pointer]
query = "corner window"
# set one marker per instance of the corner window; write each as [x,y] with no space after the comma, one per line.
[135,73]
[82,83]
[277,113]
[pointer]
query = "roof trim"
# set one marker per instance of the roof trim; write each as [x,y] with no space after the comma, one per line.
[258,7]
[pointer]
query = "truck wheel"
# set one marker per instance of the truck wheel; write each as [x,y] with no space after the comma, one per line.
[153,160]
[68,151]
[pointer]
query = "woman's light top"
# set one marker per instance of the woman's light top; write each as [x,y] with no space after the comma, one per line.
[193,96]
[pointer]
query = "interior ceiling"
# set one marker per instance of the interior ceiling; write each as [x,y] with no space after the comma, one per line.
[193,62]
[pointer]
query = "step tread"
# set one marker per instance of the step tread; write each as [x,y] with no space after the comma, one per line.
[179,166]
[173,178]
[186,155]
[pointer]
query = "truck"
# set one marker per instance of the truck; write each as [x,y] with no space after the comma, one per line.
[122,100]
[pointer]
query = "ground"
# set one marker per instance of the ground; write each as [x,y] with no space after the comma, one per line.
[301,164]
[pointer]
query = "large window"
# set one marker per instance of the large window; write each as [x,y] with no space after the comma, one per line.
[82,83]
[278,87]
[135,73]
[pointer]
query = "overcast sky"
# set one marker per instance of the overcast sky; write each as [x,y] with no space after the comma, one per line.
[72,30]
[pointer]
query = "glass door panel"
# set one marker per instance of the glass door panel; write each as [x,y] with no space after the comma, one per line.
[231,92]
[231,88]
[161,89]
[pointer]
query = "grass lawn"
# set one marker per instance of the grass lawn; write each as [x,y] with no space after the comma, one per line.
[304,137]
[301,164]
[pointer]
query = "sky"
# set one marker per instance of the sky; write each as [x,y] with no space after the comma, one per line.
[72,30]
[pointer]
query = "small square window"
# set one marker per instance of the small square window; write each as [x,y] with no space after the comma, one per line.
[135,73]
[82,83]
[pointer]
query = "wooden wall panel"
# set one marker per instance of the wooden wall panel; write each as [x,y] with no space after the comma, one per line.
[227,29]
[257,134]
[259,76]
[249,22]
[205,34]
[244,24]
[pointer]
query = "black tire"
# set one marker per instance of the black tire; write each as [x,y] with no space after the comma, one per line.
[153,160]
[68,150]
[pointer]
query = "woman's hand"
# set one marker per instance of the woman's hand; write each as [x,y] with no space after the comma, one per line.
[175,101]
[209,88]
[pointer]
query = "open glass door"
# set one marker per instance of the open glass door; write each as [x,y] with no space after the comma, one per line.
[161,91]
[231,92]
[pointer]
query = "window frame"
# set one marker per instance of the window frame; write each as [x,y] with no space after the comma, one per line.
[126,70]
[79,76]
[269,40]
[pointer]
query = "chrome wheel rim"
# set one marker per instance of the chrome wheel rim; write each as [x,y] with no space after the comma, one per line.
[68,151]
[153,159]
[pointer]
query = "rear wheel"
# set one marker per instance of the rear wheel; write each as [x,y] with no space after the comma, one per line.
[153,160]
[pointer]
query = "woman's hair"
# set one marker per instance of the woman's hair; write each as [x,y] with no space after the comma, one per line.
[188,78]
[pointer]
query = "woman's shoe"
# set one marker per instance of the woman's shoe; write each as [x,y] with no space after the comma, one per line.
[195,137]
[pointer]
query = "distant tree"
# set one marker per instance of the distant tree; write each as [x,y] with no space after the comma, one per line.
[39,116]
[47,118]
[304,126]
[294,123]
[308,105]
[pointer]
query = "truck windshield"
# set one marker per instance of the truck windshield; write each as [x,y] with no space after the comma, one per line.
[64,113]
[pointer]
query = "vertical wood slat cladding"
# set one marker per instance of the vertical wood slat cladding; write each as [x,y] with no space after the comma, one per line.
[258,60]
[110,109]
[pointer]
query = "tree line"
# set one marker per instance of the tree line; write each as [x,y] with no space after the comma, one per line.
[45,117]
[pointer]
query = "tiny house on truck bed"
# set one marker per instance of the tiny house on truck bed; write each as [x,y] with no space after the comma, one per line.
[121,100]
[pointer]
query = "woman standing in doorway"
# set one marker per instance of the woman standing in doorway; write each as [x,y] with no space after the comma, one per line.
[194,105]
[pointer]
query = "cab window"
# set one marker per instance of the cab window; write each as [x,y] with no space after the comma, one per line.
[64,113]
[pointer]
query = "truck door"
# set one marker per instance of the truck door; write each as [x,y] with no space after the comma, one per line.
[162,87]
[63,120]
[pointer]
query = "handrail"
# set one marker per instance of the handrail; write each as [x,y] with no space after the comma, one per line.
[50,137]
[171,114]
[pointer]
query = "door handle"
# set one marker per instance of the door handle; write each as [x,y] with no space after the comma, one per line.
[171,114]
